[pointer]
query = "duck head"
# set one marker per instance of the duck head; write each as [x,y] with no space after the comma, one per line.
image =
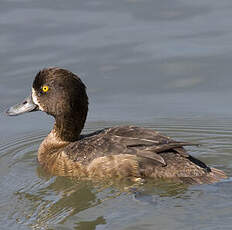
[61,94]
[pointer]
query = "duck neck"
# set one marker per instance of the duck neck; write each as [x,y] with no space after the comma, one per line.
[69,127]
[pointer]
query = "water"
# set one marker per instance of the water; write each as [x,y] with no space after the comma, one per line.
[164,65]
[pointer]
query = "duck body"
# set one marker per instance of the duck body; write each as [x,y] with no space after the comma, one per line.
[123,152]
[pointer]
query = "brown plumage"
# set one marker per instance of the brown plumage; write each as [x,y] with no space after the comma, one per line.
[124,152]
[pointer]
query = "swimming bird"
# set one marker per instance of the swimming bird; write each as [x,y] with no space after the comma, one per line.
[117,152]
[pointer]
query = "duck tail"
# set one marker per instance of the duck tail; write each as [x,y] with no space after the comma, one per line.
[215,175]
[218,174]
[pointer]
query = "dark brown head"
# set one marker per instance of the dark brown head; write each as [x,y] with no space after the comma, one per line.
[61,94]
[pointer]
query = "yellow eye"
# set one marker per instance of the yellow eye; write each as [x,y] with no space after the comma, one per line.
[45,88]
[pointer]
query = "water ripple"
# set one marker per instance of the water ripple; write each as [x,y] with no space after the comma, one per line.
[38,200]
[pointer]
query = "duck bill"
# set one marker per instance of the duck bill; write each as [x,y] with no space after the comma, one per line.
[27,105]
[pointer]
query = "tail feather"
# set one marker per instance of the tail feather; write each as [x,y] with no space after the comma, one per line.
[211,177]
[218,173]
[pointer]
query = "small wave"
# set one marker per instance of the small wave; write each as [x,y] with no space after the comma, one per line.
[18,143]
